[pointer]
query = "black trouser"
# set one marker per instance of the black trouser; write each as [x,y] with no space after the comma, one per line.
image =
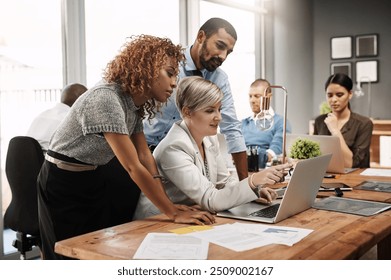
[73,203]
[122,192]
[69,204]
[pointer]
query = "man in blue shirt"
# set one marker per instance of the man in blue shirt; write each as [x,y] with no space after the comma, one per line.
[215,41]
[267,143]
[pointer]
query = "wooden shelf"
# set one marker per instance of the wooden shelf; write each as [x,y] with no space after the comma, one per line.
[380,128]
[380,132]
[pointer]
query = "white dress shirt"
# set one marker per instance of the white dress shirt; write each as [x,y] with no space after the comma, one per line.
[46,123]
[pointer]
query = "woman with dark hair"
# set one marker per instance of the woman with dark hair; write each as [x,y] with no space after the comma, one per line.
[104,122]
[353,130]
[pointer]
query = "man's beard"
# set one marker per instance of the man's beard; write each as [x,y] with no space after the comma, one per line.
[213,63]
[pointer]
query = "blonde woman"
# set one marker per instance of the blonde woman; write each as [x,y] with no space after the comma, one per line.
[189,157]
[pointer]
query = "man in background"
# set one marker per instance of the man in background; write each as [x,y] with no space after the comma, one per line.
[214,42]
[46,123]
[268,143]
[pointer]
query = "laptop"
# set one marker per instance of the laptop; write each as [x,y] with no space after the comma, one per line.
[299,195]
[328,145]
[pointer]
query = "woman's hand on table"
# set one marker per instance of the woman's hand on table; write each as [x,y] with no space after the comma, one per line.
[194,216]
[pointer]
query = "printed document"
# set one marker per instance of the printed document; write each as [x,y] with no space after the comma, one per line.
[242,236]
[171,246]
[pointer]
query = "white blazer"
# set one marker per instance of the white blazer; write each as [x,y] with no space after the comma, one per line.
[180,163]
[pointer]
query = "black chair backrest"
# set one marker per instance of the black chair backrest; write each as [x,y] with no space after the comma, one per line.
[23,163]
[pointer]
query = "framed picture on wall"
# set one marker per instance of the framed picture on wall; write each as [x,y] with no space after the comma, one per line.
[366,45]
[367,71]
[341,47]
[342,67]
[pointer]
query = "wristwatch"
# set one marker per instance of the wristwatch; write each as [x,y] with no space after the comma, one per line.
[257,190]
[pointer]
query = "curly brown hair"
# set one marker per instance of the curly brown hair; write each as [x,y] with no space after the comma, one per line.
[138,65]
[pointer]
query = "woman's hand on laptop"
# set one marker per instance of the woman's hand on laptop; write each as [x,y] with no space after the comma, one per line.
[267,195]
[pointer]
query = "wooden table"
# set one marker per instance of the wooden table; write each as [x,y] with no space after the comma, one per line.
[335,235]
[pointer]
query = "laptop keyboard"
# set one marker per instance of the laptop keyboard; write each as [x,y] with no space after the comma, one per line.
[268,212]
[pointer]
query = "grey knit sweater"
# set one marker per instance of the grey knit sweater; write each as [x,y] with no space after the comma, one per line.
[103,108]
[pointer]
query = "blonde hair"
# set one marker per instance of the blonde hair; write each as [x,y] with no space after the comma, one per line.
[196,93]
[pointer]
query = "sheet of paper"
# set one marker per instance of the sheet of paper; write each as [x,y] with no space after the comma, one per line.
[242,236]
[231,237]
[376,172]
[277,234]
[171,246]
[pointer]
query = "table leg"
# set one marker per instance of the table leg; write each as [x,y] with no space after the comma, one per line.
[384,249]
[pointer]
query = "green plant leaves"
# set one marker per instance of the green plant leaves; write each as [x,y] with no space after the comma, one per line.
[304,149]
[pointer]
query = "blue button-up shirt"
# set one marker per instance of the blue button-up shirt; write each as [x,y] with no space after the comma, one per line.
[265,140]
[157,128]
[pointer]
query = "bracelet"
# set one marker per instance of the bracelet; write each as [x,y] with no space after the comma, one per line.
[157,176]
[256,188]
[250,181]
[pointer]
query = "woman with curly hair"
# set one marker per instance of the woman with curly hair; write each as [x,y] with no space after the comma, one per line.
[106,122]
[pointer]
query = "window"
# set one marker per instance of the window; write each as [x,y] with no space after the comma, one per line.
[108,26]
[30,71]
[240,65]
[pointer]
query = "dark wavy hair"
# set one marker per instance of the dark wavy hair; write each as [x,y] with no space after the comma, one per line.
[138,64]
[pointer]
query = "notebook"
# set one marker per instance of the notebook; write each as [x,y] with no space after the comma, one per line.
[299,195]
[328,145]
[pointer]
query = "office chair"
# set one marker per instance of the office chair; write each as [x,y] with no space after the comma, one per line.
[23,163]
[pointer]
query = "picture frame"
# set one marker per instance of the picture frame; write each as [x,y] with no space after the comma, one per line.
[341,67]
[367,45]
[341,47]
[367,71]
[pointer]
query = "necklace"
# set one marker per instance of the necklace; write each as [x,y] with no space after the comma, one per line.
[206,168]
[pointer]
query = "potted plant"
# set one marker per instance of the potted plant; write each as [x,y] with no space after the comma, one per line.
[324,108]
[304,149]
